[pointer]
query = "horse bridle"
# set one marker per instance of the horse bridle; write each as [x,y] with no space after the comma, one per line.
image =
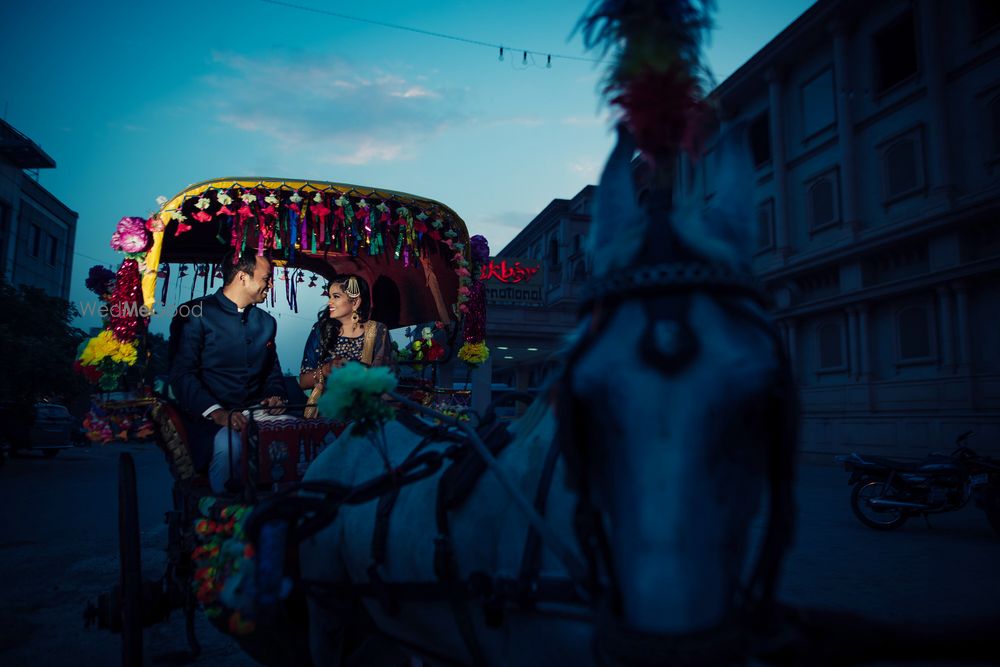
[603,297]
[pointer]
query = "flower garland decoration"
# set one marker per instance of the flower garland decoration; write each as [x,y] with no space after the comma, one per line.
[131,236]
[474,351]
[103,359]
[100,281]
[225,565]
[125,320]
[474,354]
[423,349]
[354,393]
[106,345]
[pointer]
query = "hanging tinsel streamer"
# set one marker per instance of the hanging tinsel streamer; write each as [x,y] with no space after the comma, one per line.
[404,225]
[124,321]
[321,214]
[164,274]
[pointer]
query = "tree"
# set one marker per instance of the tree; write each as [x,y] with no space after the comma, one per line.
[37,346]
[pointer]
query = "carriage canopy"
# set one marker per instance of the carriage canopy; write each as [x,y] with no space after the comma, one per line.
[411,251]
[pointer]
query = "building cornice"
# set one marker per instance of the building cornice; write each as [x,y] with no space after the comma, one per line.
[877,239]
[902,286]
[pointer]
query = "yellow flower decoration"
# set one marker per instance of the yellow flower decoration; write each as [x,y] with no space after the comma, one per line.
[103,346]
[474,353]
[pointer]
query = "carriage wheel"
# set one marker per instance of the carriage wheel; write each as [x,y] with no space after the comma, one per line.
[131,563]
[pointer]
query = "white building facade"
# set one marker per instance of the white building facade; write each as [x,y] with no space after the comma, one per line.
[876,135]
[37,231]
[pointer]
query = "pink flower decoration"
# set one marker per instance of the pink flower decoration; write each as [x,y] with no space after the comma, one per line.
[131,235]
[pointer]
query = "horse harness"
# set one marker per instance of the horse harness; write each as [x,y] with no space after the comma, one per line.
[731,639]
[307,515]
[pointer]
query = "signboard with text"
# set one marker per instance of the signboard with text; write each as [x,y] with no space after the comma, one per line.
[513,282]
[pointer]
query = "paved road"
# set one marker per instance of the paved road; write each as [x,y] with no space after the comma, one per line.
[58,546]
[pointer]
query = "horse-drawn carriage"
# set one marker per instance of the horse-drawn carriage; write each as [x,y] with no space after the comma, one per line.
[411,253]
[616,525]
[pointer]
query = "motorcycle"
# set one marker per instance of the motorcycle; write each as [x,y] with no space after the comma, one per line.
[887,492]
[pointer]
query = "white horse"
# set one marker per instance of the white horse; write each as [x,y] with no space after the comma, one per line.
[667,416]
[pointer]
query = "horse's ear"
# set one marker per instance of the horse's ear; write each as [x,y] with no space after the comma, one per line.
[723,231]
[619,224]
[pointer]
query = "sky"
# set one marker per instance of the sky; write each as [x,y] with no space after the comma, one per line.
[134,100]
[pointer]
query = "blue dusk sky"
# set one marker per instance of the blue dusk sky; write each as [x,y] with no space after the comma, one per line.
[139,99]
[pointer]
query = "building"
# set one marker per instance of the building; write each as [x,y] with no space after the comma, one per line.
[876,135]
[37,231]
[533,290]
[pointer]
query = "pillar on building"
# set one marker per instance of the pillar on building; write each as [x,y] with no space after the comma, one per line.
[864,342]
[791,343]
[932,62]
[853,365]
[777,128]
[482,384]
[962,326]
[946,325]
[845,123]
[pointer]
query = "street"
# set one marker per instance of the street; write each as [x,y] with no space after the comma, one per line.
[58,549]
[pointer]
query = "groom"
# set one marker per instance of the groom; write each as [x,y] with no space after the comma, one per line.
[223,357]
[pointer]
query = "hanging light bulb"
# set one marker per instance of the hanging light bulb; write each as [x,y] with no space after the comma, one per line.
[312,281]
[548,61]
[183,271]
[501,55]
[524,58]
[300,278]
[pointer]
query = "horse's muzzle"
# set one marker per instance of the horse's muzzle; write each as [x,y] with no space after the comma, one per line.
[725,645]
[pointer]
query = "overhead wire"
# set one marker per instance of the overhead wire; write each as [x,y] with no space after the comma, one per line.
[430,33]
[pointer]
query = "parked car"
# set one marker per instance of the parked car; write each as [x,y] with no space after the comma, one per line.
[48,428]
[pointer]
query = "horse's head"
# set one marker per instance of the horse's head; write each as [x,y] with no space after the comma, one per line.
[672,400]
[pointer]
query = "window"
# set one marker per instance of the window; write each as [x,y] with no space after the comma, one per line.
[553,251]
[902,166]
[53,249]
[35,240]
[765,225]
[985,16]
[913,332]
[760,139]
[895,51]
[821,201]
[818,103]
[577,244]
[831,346]
[580,272]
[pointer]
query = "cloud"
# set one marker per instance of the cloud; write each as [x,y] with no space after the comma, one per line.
[514,219]
[581,121]
[586,167]
[342,112]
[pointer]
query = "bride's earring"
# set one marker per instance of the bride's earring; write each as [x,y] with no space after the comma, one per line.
[355,317]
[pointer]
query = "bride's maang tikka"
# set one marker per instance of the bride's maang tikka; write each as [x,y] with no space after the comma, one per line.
[352,288]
